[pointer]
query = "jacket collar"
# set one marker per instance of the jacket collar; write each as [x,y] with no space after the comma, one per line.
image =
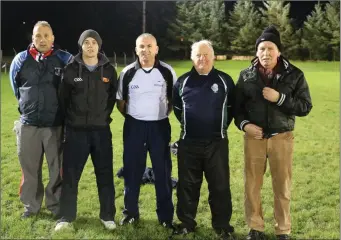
[138,65]
[102,59]
[285,63]
[195,73]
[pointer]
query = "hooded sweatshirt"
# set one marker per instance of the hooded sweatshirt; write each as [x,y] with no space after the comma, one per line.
[88,97]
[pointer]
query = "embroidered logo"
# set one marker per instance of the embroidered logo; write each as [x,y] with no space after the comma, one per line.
[215,88]
[57,71]
[104,79]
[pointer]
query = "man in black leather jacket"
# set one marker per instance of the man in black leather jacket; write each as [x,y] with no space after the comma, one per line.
[269,94]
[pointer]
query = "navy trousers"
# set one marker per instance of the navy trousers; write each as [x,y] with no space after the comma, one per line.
[138,138]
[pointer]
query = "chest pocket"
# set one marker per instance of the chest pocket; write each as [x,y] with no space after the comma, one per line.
[79,84]
[285,86]
[29,74]
[252,90]
[104,85]
[53,73]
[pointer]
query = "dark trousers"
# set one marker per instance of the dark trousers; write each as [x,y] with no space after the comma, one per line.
[210,157]
[138,138]
[78,145]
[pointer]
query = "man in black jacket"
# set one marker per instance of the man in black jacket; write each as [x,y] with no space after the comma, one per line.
[35,76]
[88,96]
[270,93]
[202,100]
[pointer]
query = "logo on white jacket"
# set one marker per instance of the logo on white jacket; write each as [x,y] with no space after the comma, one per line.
[78,79]
[215,88]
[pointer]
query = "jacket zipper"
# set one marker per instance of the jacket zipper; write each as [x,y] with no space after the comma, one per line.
[87,101]
[268,103]
[38,85]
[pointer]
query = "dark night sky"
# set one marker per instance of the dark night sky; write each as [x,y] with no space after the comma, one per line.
[118,23]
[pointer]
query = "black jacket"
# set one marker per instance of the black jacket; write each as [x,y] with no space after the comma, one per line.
[88,98]
[251,106]
[35,85]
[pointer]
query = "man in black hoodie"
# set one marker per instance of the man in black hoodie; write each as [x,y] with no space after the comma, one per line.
[88,96]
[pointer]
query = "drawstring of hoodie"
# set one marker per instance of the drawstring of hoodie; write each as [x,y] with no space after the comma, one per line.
[80,70]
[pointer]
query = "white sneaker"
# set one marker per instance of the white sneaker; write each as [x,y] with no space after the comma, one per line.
[110,225]
[62,225]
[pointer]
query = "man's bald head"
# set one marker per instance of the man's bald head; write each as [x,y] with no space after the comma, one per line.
[146,35]
[146,49]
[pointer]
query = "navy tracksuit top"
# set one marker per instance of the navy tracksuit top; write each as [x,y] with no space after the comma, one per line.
[204,104]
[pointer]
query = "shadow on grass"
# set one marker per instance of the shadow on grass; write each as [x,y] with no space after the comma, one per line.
[46,215]
[147,229]
[143,229]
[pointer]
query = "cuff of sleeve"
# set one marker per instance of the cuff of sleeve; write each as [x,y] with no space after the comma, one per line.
[281,99]
[243,124]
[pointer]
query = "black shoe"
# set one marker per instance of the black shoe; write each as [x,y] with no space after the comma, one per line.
[283,237]
[128,220]
[255,235]
[168,225]
[27,214]
[224,235]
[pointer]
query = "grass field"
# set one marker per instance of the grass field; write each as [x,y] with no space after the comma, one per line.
[315,192]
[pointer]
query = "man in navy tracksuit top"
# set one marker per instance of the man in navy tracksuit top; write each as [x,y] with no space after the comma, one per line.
[88,95]
[202,101]
[144,98]
[35,76]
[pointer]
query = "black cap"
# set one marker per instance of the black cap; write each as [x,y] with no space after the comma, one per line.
[270,34]
[90,33]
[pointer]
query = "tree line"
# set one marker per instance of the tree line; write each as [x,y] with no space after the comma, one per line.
[235,32]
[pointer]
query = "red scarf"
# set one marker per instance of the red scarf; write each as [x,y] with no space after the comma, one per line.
[267,75]
[38,56]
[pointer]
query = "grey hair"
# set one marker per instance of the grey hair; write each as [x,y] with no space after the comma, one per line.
[146,35]
[42,23]
[196,45]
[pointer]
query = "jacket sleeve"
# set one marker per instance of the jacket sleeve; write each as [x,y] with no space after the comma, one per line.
[240,119]
[176,101]
[297,103]
[113,90]
[231,102]
[15,67]
[64,56]
[119,94]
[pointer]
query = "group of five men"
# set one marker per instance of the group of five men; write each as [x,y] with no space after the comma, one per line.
[65,104]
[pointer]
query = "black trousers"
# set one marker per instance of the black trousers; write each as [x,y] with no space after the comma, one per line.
[78,145]
[210,157]
[139,137]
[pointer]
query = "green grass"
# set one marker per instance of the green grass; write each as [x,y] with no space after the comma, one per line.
[315,191]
